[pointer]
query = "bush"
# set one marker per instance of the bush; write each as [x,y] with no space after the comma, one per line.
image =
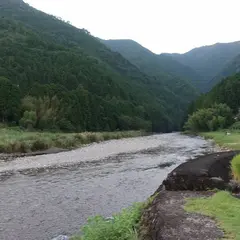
[217,117]
[235,126]
[123,226]
[235,167]
[39,144]
[28,120]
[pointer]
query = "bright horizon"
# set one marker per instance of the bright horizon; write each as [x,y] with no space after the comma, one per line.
[160,25]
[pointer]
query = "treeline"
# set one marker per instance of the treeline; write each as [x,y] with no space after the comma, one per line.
[217,108]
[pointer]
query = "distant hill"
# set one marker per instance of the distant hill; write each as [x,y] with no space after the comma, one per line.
[209,61]
[161,66]
[97,89]
[226,91]
[230,69]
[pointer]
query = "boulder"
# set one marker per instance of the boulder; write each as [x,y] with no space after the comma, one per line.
[203,173]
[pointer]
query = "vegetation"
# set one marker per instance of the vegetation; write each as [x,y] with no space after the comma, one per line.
[122,226]
[17,141]
[226,92]
[231,68]
[235,167]
[225,96]
[209,61]
[219,116]
[221,206]
[224,140]
[76,81]
[172,73]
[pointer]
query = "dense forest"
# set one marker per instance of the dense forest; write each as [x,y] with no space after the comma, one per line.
[162,67]
[55,76]
[216,108]
[231,68]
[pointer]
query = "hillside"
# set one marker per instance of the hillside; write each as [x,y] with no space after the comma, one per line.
[79,82]
[230,69]
[227,92]
[209,61]
[165,68]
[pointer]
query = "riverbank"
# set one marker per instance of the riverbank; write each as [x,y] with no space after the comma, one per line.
[225,139]
[14,140]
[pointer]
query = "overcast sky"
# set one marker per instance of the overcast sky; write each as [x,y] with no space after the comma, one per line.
[159,25]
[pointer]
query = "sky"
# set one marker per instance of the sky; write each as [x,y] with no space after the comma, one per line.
[159,25]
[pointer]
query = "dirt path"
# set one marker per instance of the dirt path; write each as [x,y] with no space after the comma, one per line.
[166,219]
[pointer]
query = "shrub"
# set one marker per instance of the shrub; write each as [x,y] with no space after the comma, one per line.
[235,126]
[210,119]
[123,226]
[28,120]
[40,144]
[235,167]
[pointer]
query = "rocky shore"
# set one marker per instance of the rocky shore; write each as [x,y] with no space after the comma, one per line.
[165,218]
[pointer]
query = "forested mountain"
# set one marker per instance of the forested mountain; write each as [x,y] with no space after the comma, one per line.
[209,61]
[227,92]
[164,67]
[230,69]
[61,77]
[216,109]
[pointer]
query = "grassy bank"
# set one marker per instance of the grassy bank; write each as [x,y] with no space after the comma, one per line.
[222,207]
[231,141]
[122,226]
[18,141]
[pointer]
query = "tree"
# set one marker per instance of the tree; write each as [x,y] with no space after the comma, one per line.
[210,119]
[9,101]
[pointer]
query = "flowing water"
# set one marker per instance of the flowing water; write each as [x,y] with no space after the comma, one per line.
[44,196]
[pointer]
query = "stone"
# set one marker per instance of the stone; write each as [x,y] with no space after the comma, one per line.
[61,237]
[234,186]
[203,173]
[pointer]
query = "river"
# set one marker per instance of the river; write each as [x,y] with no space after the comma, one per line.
[44,196]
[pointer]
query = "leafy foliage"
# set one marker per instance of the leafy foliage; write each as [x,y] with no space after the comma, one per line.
[218,116]
[94,88]
[123,226]
[9,100]
[235,126]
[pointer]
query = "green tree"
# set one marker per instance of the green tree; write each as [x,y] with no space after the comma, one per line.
[9,101]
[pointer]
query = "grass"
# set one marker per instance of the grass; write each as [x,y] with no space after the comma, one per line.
[231,141]
[14,140]
[123,226]
[223,207]
[235,167]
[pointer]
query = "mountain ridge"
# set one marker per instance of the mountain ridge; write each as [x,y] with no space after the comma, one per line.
[98,89]
[210,60]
